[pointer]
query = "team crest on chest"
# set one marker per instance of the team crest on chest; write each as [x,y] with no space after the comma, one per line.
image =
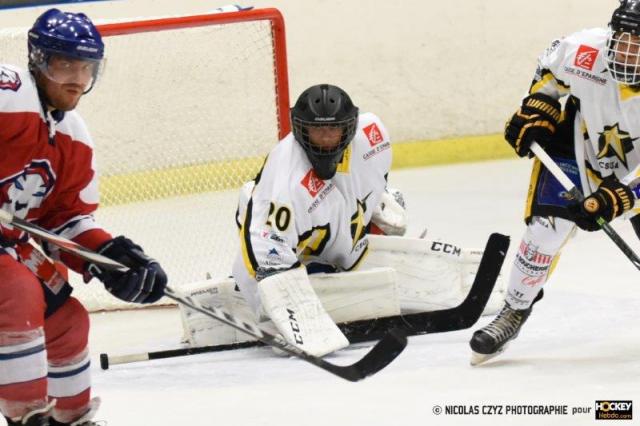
[27,189]
[9,80]
[614,143]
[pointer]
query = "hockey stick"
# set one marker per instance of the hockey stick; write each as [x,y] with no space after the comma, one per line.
[108,360]
[457,318]
[385,351]
[576,194]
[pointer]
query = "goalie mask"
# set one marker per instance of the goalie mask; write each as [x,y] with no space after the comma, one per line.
[66,47]
[324,122]
[623,47]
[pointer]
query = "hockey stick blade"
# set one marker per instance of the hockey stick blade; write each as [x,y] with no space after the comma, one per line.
[385,351]
[573,190]
[60,242]
[457,318]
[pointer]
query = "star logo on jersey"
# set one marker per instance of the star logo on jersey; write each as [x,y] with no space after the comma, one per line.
[27,189]
[9,80]
[614,142]
[358,227]
[312,182]
[373,133]
[585,57]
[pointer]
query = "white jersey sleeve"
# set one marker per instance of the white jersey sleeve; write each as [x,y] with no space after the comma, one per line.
[550,78]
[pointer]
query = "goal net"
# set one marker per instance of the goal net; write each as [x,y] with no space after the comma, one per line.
[183,115]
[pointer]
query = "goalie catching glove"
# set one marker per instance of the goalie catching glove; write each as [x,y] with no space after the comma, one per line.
[612,199]
[390,215]
[144,282]
[536,120]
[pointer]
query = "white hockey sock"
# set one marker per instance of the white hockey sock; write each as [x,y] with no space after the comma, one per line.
[539,247]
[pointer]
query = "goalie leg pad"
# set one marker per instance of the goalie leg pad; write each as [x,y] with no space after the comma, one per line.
[431,274]
[346,296]
[288,299]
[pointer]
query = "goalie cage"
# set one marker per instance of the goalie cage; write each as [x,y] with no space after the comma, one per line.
[184,114]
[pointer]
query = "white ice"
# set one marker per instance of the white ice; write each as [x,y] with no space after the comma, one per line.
[581,344]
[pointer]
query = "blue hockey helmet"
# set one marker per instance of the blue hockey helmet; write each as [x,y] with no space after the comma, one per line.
[70,35]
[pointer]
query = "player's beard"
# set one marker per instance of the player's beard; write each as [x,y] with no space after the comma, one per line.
[67,97]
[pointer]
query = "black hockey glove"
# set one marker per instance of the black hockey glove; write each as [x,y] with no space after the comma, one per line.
[536,120]
[143,283]
[610,200]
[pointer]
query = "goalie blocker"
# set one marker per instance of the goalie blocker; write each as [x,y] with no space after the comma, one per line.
[399,276]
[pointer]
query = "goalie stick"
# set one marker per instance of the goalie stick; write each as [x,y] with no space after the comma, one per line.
[573,190]
[385,351]
[460,317]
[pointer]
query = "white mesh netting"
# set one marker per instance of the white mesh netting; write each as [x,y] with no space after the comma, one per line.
[180,119]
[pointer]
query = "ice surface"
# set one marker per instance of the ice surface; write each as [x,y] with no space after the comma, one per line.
[581,344]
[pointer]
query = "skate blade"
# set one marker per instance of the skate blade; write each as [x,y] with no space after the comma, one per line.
[478,358]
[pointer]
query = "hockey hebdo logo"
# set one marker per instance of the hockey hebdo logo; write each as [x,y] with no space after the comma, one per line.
[614,410]
[9,80]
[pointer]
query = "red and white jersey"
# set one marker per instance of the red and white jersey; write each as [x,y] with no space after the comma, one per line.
[294,217]
[607,124]
[47,173]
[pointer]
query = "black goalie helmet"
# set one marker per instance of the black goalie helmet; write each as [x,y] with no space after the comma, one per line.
[623,47]
[324,122]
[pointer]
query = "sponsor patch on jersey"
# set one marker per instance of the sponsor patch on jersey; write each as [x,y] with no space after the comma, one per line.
[9,80]
[312,182]
[586,57]
[374,134]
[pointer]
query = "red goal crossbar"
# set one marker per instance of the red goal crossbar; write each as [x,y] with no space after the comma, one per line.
[269,14]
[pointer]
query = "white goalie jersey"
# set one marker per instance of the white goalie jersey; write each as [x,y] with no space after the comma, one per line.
[293,217]
[607,118]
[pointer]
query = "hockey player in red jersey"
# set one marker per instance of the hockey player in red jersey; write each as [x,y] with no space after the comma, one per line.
[594,141]
[47,177]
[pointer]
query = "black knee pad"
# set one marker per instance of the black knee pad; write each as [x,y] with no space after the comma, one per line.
[54,299]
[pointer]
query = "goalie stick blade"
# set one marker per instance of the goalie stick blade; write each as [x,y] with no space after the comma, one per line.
[381,355]
[458,318]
